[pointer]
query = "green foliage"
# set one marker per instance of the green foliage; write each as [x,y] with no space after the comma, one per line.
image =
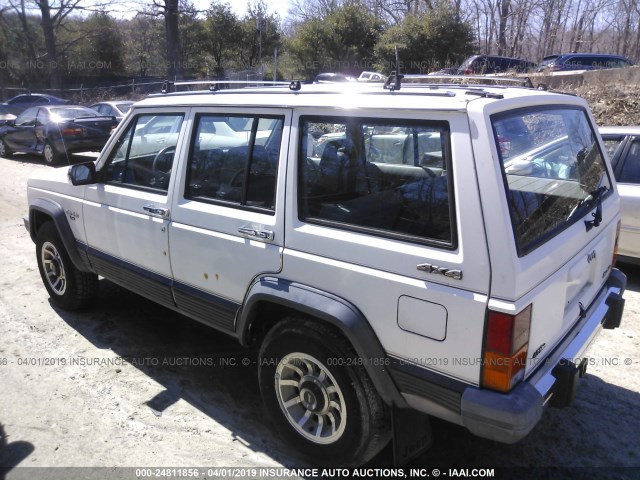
[20,43]
[93,47]
[426,42]
[260,36]
[344,37]
[193,36]
[342,41]
[222,34]
[144,45]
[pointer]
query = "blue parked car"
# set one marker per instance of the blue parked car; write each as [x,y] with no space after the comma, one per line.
[582,61]
[55,132]
[20,103]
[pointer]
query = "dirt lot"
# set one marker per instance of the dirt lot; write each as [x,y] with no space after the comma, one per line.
[67,398]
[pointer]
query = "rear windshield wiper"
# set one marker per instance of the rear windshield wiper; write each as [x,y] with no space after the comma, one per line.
[595,196]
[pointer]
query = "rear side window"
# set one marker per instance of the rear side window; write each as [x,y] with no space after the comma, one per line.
[383,177]
[234,160]
[630,172]
[553,169]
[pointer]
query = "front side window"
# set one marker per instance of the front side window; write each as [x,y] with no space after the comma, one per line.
[554,172]
[234,160]
[378,176]
[143,155]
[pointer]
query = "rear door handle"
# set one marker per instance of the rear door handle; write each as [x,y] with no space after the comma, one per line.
[157,211]
[261,234]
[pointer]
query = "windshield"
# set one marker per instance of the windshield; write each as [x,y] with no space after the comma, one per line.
[554,171]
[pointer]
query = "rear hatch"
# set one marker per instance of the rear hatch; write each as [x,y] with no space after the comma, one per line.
[553,252]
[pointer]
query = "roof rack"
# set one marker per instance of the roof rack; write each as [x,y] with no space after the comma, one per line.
[215,85]
[466,80]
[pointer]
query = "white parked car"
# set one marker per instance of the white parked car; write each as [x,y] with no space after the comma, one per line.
[372,77]
[404,272]
[623,146]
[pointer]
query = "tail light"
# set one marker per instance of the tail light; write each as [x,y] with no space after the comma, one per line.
[505,349]
[468,71]
[615,245]
[72,132]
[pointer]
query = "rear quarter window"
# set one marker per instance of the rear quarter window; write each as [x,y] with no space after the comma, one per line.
[385,177]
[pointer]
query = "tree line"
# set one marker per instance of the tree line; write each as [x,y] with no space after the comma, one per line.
[57,44]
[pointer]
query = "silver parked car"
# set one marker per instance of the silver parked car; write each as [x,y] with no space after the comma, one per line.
[623,146]
[117,108]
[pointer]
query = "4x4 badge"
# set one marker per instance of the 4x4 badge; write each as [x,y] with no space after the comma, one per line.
[447,272]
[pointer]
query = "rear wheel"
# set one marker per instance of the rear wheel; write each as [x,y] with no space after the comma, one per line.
[51,156]
[4,150]
[68,287]
[319,396]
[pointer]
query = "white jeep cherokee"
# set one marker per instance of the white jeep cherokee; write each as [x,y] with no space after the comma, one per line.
[446,249]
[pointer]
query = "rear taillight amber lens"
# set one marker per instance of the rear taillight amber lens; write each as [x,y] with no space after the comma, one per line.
[505,349]
[72,132]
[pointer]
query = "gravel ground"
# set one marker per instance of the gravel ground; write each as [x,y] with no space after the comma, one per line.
[67,399]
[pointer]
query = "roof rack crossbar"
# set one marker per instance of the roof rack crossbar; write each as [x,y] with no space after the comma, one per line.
[465,80]
[213,85]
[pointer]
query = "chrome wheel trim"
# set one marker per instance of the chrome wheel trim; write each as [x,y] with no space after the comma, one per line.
[48,153]
[310,398]
[53,268]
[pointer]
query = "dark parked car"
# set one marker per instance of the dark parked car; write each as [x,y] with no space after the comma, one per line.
[582,61]
[116,109]
[56,131]
[488,64]
[20,103]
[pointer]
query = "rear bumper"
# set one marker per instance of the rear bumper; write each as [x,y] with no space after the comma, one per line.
[510,417]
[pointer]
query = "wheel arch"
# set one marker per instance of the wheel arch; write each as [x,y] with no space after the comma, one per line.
[44,210]
[279,297]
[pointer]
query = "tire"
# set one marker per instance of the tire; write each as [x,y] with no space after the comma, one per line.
[50,154]
[320,399]
[68,287]
[5,151]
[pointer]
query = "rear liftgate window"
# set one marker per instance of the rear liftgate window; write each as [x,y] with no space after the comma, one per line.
[385,177]
[554,172]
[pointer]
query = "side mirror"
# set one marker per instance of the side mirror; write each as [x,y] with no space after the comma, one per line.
[11,123]
[83,174]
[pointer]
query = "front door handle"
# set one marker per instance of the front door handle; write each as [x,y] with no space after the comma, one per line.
[261,234]
[157,211]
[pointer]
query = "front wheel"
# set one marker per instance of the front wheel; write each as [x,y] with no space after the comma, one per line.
[68,287]
[319,396]
[4,150]
[51,156]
